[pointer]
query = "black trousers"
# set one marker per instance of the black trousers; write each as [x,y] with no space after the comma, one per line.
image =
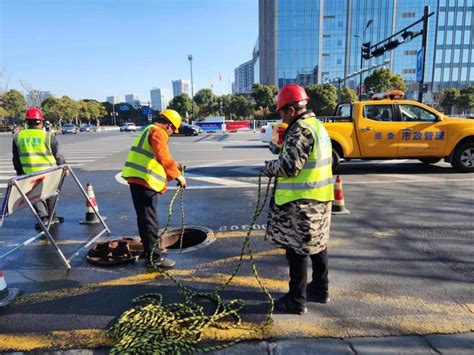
[144,201]
[299,273]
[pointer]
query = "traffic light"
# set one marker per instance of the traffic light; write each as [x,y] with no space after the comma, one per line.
[409,35]
[392,45]
[377,52]
[366,50]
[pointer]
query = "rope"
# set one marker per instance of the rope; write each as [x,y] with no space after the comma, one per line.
[151,327]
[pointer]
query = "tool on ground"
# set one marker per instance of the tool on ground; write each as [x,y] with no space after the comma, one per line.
[338,205]
[7,295]
[151,327]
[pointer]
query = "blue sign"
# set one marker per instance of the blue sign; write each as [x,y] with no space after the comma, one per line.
[124,108]
[146,110]
[210,126]
[419,65]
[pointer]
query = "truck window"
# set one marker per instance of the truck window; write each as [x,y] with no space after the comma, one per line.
[344,110]
[379,112]
[412,113]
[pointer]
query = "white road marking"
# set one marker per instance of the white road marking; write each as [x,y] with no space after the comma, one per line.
[2,185]
[217,180]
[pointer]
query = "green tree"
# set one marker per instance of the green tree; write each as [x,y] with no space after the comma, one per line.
[69,109]
[205,100]
[14,103]
[182,104]
[322,98]
[51,109]
[226,100]
[91,109]
[447,99]
[242,106]
[466,98]
[383,79]
[348,95]
[264,96]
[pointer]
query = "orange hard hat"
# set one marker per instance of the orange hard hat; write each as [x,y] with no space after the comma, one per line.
[34,113]
[290,93]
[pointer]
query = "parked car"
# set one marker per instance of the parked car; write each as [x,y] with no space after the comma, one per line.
[69,128]
[266,132]
[188,130]
[88,128]
[128,127]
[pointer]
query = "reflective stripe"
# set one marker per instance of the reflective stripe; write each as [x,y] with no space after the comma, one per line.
[143,151]
[304,185]
[144,170]
[47,154]
[317,163]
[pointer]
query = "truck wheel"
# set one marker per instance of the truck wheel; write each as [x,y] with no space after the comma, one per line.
[463,159]
[336,159]
[430,160]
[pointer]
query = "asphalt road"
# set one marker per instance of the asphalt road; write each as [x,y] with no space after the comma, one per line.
[400,263]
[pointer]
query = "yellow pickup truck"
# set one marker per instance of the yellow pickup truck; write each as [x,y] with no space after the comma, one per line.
[400,129]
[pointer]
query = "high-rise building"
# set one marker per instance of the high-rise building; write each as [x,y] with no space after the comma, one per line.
[181,86]
[160,99]
[244,77]
[133,99]
[113,99]
[34,98]
[319,41]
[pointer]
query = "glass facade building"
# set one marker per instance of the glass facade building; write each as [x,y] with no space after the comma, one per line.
[318,41]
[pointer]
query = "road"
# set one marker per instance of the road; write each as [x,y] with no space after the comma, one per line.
[400,263]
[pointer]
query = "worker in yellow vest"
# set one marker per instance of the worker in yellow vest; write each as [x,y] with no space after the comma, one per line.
[34,150]
[300,211]
[148,169]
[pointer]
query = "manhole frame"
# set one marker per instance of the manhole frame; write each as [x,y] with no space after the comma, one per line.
[210,238]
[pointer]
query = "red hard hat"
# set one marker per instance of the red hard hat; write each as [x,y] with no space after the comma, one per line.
[34,114]
[290,93]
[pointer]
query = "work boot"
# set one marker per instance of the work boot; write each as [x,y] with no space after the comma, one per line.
[318,295]
[57,220]
[160,262]
[286,305]
[45,222]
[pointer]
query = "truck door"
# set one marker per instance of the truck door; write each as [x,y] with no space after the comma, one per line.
[378,130]
[422,134]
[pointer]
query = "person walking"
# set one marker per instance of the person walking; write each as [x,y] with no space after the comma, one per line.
[299,217]
[34,150]
[148,169]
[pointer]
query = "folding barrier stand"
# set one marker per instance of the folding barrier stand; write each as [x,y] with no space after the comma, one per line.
[38,186]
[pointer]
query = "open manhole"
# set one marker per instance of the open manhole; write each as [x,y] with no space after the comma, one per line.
[194,237]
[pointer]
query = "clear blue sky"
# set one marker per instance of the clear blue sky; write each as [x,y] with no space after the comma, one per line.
[98,48]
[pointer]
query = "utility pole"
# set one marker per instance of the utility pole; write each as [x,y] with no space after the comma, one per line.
[423,48]
[369,23]
[190,58]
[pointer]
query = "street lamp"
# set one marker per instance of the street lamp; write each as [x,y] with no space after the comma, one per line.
[368,24]
[190,58]
[114,114]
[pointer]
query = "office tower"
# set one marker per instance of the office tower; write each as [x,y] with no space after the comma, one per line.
[159,99]
[181,86]
[244,77]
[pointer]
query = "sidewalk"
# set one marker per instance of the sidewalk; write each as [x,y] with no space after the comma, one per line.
[455,344]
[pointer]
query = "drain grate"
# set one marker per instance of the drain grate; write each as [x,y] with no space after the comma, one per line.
[194,237]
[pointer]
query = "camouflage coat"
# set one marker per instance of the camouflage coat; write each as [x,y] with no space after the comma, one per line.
[302,225]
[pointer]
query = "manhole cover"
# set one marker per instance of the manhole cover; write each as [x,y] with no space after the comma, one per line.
[194,237]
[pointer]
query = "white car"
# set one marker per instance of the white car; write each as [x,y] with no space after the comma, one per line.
[128,127]
[266,132]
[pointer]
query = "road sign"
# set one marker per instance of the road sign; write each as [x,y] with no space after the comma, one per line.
[149,116]
[419,65]
[124,108]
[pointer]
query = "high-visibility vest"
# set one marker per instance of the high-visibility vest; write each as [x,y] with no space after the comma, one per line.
[141,162]
[314,181]
[34,148]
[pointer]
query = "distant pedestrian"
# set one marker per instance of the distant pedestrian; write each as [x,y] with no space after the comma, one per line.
[34,150]
[300,211]
[148,169]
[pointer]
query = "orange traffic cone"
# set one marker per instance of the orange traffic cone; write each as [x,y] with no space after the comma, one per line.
[338,205]
[91,217]
[7,295]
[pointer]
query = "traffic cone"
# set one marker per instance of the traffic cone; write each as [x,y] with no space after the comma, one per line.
[7,295]
[338,205]
[91,217]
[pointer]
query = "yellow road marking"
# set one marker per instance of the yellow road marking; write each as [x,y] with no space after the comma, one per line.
[239,234]
[70,292]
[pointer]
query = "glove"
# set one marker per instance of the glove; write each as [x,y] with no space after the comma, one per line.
[181,167]
[181,181]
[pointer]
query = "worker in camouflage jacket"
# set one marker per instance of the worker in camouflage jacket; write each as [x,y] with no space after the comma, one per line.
[300,211]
